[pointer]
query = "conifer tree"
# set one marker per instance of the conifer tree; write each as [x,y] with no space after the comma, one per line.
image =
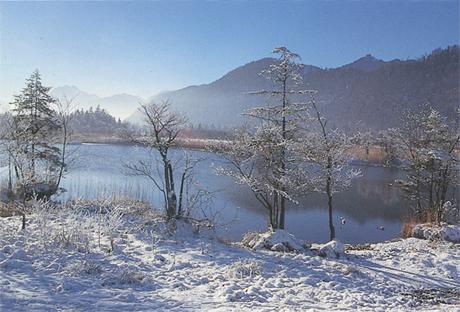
[34,122]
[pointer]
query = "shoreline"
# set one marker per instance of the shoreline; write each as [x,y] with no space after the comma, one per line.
[200,145]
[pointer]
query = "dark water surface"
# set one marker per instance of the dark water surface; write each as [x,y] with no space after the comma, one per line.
[372,209]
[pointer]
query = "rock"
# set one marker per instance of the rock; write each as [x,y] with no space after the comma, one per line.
[278,240]
[279,247]
[333,249]
[450,213]
[450,233]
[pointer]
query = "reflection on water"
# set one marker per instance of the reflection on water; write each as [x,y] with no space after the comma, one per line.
[368,207]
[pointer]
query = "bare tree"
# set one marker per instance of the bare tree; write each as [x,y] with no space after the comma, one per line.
[160,134]
[63,109]
[386,142]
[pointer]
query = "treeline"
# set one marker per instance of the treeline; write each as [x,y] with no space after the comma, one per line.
[95,122]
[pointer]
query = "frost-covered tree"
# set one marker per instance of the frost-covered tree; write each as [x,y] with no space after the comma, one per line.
[326,151]
[162,126]
[262,158]
[385,141]
[36,159]
[428,144]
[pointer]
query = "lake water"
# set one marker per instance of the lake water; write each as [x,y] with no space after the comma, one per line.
[372,209]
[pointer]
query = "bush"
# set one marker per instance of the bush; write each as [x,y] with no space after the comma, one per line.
[244,268]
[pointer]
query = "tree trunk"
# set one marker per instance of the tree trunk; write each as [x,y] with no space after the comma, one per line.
[329,204]
[282,212]
[10,178]
[23,221]
[172,200]
[167,188]
[64,145]
[181,192]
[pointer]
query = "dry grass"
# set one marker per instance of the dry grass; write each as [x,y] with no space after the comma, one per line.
[407,227]
[429,217]
[7,210]
[376,154]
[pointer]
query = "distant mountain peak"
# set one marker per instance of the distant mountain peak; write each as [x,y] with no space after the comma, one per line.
[119,105]
[366,63]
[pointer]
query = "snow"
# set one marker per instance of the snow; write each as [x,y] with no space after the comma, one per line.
[152,268]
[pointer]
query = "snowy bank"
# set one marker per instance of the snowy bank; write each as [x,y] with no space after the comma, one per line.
[132,261]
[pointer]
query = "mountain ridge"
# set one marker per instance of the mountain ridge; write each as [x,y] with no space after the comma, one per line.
[368,93]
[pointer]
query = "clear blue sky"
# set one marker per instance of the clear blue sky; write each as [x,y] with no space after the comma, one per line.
[145,47]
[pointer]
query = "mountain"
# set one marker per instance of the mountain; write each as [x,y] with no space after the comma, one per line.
[120,105]
[224,99]
[367,93]
[366,63]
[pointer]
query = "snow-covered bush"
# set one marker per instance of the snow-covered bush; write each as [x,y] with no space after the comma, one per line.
[130,276]
[112,222]
[74,230]
[244,268]
[42,215]
[127,276]
[85,267]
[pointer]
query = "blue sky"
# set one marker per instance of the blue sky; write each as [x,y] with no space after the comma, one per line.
[145,47]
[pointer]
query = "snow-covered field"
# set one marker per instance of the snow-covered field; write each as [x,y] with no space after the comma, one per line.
[64,261]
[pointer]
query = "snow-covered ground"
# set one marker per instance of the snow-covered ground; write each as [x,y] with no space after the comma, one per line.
[62,262]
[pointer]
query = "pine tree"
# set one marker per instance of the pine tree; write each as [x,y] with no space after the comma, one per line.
[34,123]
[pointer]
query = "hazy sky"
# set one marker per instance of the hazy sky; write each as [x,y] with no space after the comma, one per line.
[145,47]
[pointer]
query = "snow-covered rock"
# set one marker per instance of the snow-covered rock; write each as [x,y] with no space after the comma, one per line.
[332,249]
[278,240]
[450,233]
